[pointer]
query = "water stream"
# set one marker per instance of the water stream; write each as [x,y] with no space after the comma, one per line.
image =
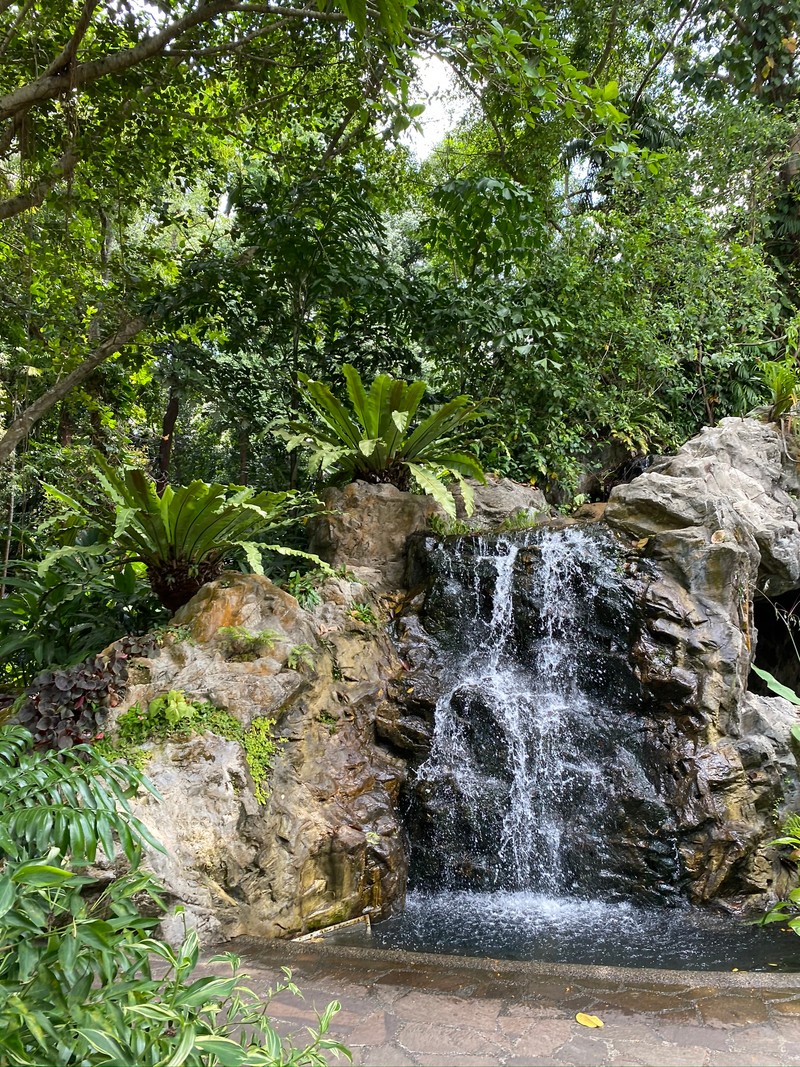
[522,785]
[535,824]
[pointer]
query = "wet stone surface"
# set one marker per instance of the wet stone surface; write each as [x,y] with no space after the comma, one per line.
[404,1009]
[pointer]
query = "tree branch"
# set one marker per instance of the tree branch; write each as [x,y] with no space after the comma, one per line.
[37,193]
[657,62]
[67,54]
[22,426]
[612,30]
[9,37]
[51,85]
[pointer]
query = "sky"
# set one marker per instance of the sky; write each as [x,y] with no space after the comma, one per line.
[443,106]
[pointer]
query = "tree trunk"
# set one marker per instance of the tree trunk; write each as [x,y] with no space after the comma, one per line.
[23,424]
[64,426]
[244,453]
[167,436]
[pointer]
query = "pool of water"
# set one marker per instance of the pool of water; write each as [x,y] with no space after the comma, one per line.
[527,926]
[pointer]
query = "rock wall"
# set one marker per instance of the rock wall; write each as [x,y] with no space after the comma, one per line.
[327,846]
[702,532]
[708,529]
[366,527]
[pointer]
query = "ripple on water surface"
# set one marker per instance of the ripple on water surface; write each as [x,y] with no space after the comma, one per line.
[527,926]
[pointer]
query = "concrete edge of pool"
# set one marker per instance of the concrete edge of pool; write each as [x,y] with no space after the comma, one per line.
[276,953]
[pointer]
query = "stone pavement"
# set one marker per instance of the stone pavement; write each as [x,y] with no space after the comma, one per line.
[413,1009]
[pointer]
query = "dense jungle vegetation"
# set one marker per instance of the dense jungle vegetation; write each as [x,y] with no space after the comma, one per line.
[205,205]
[215,215]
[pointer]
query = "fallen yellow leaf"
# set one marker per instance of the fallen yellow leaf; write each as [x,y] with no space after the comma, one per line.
[588,1020]
[642,543]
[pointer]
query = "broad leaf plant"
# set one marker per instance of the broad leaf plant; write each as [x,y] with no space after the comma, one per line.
[381,437]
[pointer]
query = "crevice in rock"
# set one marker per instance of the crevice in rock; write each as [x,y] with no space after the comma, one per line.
[777,621]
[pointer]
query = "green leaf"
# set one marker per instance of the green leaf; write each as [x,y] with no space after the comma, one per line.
[107,1045]
[775,686]
[228,1052]
[41,874]
[430,484]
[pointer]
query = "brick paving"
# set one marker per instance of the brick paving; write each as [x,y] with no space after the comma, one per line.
[415,1009]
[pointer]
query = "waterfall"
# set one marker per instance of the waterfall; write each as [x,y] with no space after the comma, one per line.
[536,725]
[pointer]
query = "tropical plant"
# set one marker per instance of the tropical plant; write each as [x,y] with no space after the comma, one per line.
[77,982]
[76,608]
[240,645]
[69,707]
[786,911]
[783,381]
[782,691]
[183,537]
[378,440]
[300,656]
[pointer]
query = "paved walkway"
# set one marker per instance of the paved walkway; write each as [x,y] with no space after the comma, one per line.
[403,1009]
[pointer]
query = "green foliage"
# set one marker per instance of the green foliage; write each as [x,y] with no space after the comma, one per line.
[783,382]
[168,632]
[303,587]
[171,716]
[261,747]
[782,691]
[240,645]
[363,613]
[77,608]
[300,656]
[786,911]
[69,802]
[329,720]
[445,526]
[84,979]
[183,536]
[377,440]
[522,519]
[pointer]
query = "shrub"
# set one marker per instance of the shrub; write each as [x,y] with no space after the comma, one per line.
[77,982]
[74,610]
[68,707]
[184,536]
[378,440]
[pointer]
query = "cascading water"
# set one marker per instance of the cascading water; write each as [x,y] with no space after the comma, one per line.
[528,748]
[536,826]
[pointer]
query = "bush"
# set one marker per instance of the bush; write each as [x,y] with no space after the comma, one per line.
[184,537]
[381,439]
[77,981]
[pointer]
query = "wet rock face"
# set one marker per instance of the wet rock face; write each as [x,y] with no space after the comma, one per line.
[670,639]
[712,526]
[536,740]
[327,845]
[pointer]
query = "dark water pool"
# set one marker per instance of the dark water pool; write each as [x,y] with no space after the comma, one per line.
[527,926]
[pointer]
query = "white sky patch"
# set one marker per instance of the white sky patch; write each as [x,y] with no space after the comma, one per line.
[444,106]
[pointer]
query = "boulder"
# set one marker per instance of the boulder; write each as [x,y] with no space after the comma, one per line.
[736,478]
[709,529]
[499,500]
[327,844]
[365,528]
